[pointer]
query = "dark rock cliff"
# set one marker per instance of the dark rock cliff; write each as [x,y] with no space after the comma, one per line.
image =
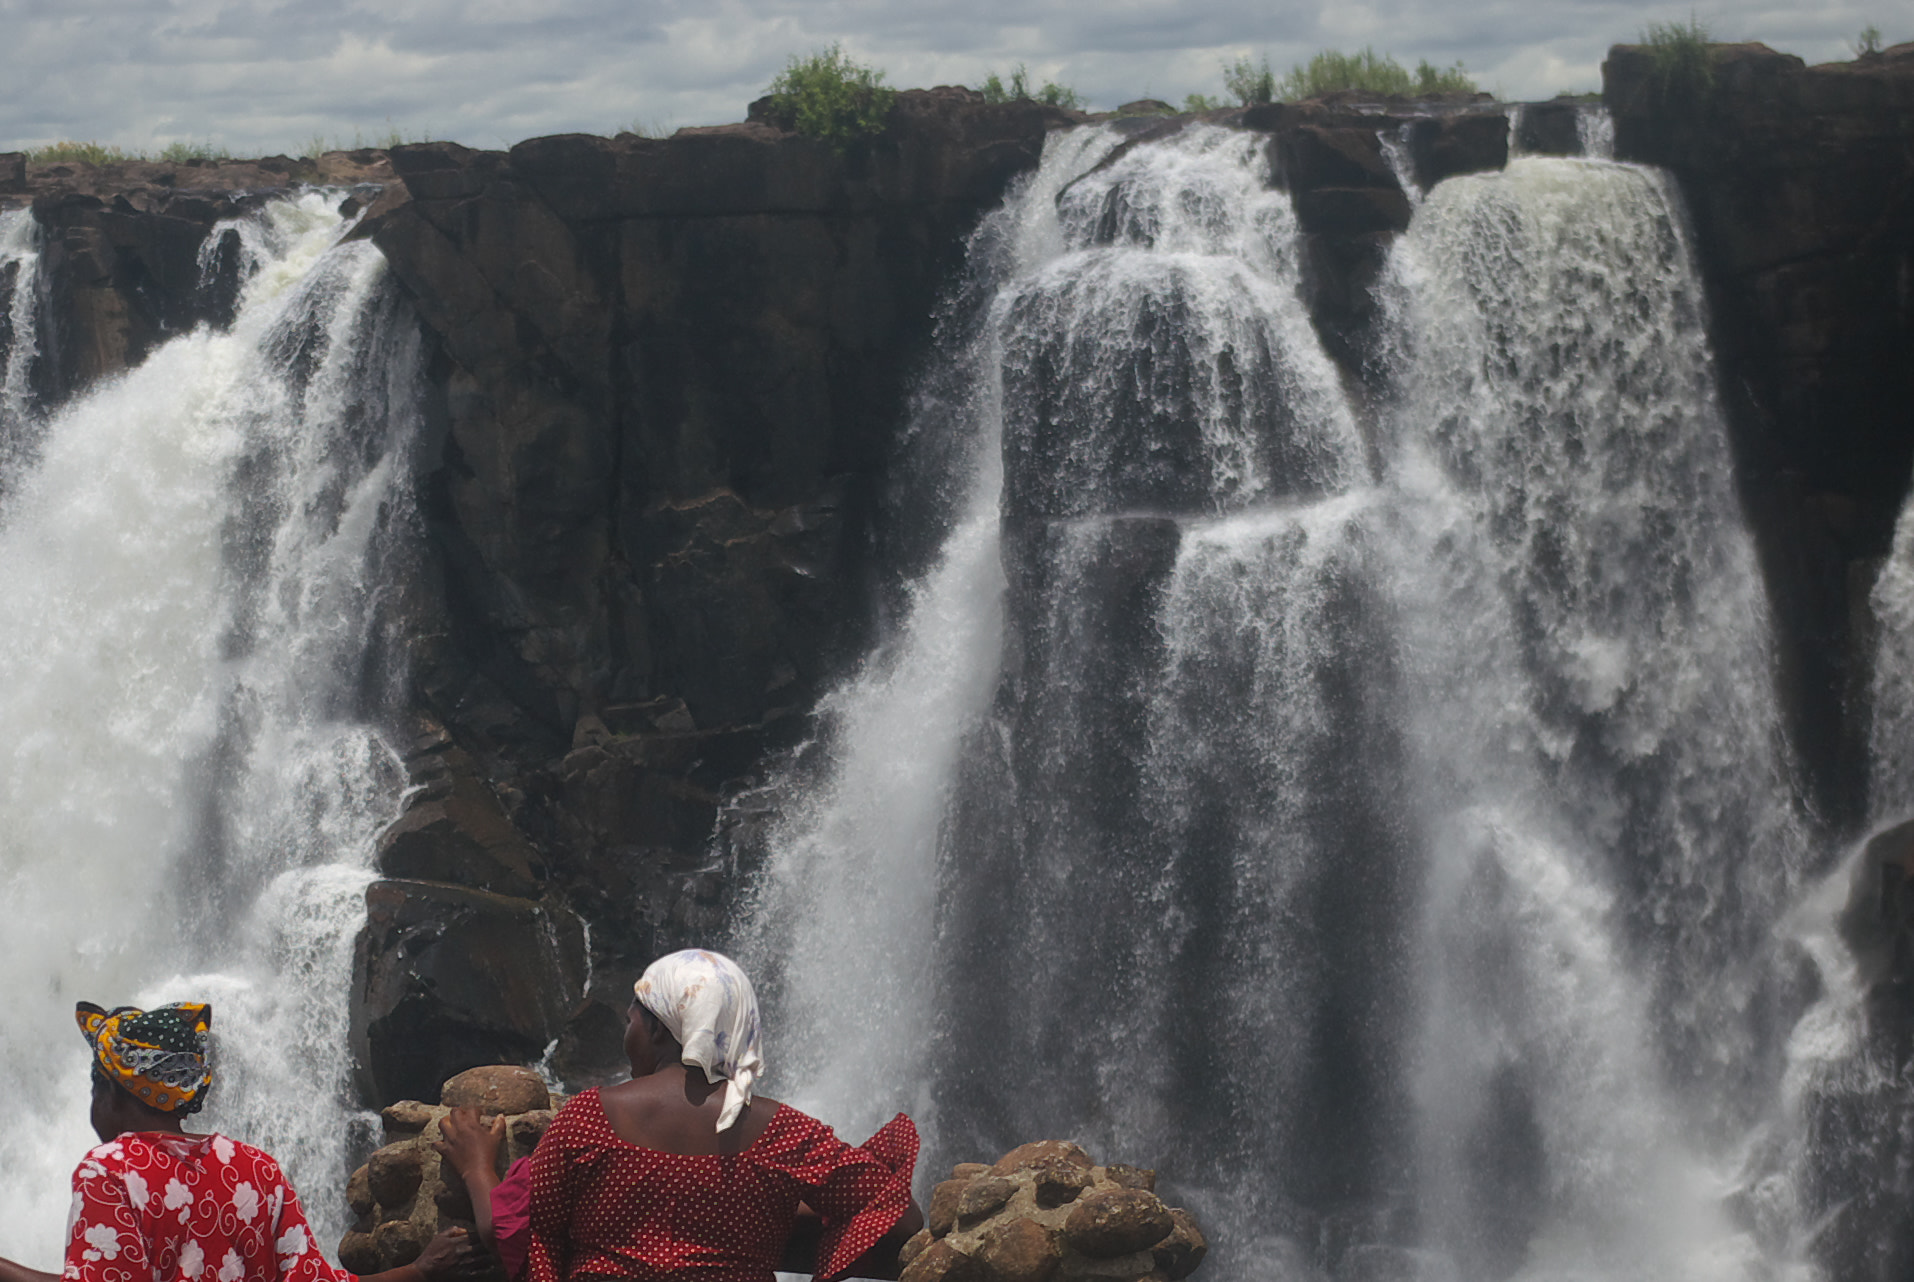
[1800,184]
[668,381]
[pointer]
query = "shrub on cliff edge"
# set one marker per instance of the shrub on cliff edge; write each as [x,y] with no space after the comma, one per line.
[1683,67]
[1018,90]
[1333,70]
[831,97]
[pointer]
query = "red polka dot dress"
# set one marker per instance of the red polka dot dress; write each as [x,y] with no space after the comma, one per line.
[605,1208]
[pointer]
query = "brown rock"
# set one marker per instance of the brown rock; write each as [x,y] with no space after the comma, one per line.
[1059,1181]
[919,1243]
[1130,1177]
[1178,1254]
[359,1193]
[447,977]
[407,1117]
[942,1262]
[1445,146]
[983,1198]
[968,1170]
[393,1173]
[1026,1156]
[359,1254]
[523,1132]
[399,1242]
[497,1088]
[1117,1221]
[942,1217]
[1020,1251]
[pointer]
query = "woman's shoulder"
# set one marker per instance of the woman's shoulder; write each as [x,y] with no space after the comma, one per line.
[792,1135]
[581,1120]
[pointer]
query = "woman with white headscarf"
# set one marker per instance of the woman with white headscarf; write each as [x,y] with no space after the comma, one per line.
[685,1172]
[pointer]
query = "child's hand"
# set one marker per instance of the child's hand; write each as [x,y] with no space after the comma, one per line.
[471,1146]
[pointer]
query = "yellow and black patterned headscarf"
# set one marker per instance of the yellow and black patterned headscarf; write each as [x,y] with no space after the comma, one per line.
[157,1056]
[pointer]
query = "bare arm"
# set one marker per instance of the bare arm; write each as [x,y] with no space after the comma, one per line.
[447,1257]
[11,1272]
[471,1146]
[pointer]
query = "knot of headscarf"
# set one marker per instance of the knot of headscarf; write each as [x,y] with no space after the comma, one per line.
[705,1001]
[158,1056]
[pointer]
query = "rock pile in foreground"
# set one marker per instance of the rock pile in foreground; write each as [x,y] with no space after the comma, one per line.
[1047,1210]
[400,1198]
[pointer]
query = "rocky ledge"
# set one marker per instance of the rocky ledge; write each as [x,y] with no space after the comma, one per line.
[1047,1210]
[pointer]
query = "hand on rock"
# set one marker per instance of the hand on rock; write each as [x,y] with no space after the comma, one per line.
[452,1254]
[469,1144]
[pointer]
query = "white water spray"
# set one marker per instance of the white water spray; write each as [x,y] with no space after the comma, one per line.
[193,571]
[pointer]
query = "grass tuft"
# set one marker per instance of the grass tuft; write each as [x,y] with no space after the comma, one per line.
[1333,71]
[82,153]
[1018,90]
[178,153]
[1682,65]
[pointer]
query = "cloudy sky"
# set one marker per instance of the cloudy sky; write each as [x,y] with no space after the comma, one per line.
[260,76]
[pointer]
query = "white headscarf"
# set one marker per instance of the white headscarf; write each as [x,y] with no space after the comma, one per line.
[705,1001]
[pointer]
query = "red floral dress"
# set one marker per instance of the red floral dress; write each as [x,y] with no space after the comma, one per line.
[156,1207]
[605,1208]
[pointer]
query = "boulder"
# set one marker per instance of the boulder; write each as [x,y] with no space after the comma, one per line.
[403,1194]
[497,1088]
[1020,1250]
[1178,1254]
[1117,1222]
[1045,1210]
[1550,128]
[1444,146]
[448,978]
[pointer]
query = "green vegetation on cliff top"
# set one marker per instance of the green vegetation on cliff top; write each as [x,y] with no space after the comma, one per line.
[831,97]
[1682,65]
[1247,83]
[1018,90]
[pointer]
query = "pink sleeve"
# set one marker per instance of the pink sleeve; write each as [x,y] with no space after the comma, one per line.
[512,1216]
[105,1243]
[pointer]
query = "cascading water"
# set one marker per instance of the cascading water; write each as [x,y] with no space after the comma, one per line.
[195,662]
[1611,839]
[1406,864]
[20,308]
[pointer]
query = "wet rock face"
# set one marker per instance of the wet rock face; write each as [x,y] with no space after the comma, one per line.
[667,384]
[447,977]
[1046,1210]
[403,1195]
[1801,187]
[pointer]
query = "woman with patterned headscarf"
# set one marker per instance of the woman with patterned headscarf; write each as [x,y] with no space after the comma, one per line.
[685,1172]
[154,1203]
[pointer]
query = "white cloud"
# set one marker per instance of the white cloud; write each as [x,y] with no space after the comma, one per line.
[266,75]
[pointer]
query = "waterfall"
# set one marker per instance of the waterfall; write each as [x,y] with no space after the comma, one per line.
[20,308]
[1400,855]
[197,569]
[1612,836]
